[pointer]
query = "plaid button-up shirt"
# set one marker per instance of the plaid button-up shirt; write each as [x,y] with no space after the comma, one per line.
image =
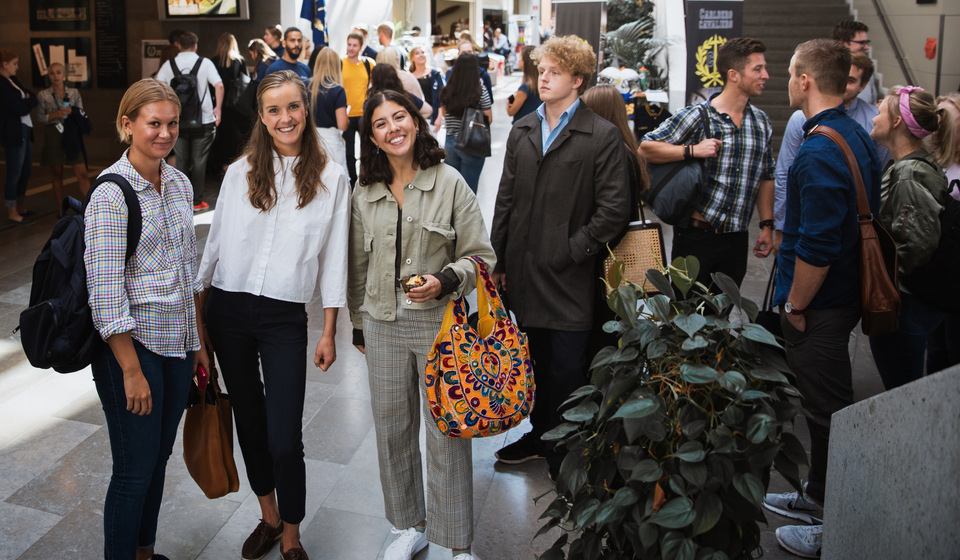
[151,295]
[744,160]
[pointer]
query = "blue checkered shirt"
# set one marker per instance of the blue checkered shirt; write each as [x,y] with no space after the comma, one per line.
[744,160]
[151,296]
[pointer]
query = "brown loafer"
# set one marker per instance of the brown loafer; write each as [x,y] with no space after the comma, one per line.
[294,553]
[261,540]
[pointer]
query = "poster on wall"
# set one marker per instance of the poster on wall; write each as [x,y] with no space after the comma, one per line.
[59,15]
[72,52]
[204,9]
[151,50]
[710,24]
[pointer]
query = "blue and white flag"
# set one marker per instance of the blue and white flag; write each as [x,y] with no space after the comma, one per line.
[315,11]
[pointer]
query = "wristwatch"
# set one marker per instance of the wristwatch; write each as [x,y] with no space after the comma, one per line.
[790,309]
[767,224]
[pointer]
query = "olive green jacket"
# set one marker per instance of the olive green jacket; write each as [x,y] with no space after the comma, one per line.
[440,223]
[912,195]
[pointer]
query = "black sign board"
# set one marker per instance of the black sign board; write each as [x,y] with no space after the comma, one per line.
[710,24]
[59,15]
[111,43]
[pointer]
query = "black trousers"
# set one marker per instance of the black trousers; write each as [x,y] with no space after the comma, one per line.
[820,358]
[717,252]
[350,139]
[247,331]
[560,363]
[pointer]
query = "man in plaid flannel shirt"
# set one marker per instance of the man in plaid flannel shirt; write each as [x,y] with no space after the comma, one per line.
[739,158]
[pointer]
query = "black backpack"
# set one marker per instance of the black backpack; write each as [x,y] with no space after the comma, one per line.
[185,86]
[934,282]
[57,330]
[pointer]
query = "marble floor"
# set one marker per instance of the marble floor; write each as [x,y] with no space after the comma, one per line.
[55,457]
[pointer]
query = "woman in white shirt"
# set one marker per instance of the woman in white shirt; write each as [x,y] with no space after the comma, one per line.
[280,229]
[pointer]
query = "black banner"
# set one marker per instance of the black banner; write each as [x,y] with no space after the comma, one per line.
[59,15]
[111,44]
[710,23]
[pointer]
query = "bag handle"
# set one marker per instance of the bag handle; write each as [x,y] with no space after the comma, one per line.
[863,205]
[771,287]
[489,305]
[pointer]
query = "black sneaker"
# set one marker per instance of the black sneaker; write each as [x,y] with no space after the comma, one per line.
[527,448]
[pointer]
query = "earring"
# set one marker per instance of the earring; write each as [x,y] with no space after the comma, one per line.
[378,150]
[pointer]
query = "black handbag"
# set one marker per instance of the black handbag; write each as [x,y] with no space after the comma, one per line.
[474,136]
[676,187]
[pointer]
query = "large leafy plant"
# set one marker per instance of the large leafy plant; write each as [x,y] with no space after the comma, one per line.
[669,448]
[629,41]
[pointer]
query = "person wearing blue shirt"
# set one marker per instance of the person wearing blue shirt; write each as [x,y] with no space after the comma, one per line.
[861,73]
[818,276]
[292,46]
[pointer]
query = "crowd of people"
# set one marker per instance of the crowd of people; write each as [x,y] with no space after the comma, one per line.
[296,214]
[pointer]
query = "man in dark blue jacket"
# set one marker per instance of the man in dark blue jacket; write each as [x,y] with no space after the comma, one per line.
[818,280]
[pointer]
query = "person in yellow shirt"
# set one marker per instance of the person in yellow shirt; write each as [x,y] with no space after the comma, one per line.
[356,77]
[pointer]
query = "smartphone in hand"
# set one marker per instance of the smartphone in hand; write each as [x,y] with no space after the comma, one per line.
[202,378]
[511,99]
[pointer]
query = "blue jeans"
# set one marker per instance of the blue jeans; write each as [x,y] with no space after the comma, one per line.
[140,446]
[19,166]
[468,166]
[899,355]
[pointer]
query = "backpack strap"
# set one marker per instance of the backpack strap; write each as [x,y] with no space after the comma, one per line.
[134,214]
[366,64]
[176,69]
[196,67]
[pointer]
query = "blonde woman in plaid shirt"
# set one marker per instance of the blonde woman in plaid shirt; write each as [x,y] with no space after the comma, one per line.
[145,309]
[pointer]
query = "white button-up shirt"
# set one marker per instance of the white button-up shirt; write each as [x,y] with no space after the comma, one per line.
[284,253]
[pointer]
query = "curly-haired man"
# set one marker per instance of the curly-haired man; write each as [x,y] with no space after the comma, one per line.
[563,196]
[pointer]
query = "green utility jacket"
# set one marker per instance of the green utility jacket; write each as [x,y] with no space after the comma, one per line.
[912,195]
[440,223]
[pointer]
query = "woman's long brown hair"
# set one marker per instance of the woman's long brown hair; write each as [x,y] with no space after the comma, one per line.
[606,101]
[259,151]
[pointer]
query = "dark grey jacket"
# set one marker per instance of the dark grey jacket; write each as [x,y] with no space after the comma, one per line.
[555,214]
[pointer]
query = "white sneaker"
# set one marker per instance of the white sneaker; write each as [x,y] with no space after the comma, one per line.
[407,544]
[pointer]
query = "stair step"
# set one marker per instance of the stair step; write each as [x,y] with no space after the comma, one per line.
[837,10]
[813,17]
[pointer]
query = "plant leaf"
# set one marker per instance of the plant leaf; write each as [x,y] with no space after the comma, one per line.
[750,308]
[636,408]
[659,282]
[582,412]
[749,486]
[676,547]
[675,514]
[694,473]
[758,427]
[709,508]
[606,511]
[559,432]
[753,394]
[733,381]
[697,373]
[580,392]
[646,470]
[625,497]
[659,306]
[692,452]
[767,373]
[689,324]
[694,343]
[683,272]
[753,331]
[728,287]
[584,512]
[656,349]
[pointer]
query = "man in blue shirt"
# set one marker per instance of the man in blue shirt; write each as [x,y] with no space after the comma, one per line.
[818,278]
[563,196]
[861,72]
[740,165]
[292,46]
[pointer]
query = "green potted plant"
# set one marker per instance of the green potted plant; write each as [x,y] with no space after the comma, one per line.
[669,447]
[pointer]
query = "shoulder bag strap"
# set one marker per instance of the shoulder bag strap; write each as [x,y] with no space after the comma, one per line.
[863,205]
[705,119]
[134,214]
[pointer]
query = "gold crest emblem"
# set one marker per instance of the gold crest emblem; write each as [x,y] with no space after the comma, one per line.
[708,73]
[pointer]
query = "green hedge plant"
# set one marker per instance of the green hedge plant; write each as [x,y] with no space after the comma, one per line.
[669,448]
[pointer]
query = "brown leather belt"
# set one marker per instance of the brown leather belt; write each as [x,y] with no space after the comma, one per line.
[700,224]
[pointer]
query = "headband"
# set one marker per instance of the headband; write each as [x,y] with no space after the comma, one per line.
[907,116]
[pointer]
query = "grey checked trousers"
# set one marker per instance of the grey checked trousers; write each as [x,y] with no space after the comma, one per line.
[396,353]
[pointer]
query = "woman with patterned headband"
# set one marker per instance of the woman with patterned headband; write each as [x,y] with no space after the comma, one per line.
[912,196]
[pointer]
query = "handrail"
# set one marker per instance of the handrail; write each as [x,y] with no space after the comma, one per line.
[897,52]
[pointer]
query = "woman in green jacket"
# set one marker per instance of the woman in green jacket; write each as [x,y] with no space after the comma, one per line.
[912,196]
[412,216]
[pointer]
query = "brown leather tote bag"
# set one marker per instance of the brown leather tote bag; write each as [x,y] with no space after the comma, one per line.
[879,271]
[208,440]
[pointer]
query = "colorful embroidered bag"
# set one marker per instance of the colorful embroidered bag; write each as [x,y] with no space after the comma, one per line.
[479,381]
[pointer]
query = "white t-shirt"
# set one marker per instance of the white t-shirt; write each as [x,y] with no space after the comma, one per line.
[206,75]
